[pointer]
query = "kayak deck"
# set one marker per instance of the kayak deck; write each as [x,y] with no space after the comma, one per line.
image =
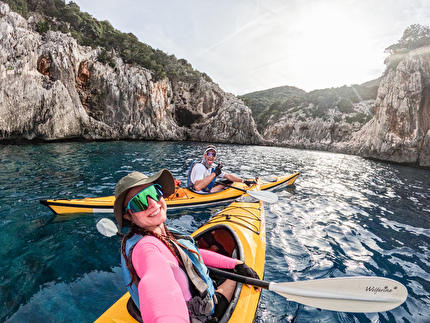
[182,198]
[239,232]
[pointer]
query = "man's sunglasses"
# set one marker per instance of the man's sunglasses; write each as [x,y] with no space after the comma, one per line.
[211,154]
[139,202]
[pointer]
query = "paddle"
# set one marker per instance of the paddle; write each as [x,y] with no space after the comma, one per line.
[107,227]
[344,294]
[267,197]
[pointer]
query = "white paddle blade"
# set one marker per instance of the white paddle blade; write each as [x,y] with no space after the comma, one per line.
[345,294]
[107,227]
[265,196]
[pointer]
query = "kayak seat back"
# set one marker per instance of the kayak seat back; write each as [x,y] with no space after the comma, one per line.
[133,310]
[179,192]
[219,240]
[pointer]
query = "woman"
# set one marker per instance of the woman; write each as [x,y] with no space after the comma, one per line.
[165,272]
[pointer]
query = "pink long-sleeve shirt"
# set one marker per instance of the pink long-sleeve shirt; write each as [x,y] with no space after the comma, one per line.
[163,287]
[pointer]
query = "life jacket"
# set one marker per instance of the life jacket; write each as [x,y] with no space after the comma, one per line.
[190,184]
[132,289]
[202,304]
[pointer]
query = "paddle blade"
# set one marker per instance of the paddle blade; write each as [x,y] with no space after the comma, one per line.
[265,196]
[345,294]
[107,227]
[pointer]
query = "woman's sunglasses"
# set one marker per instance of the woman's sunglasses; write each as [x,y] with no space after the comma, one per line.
[211,154]
[139,202]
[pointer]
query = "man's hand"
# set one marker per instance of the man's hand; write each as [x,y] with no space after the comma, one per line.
[218,170]
[250,182]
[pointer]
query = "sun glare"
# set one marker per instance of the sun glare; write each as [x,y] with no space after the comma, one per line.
[328,43]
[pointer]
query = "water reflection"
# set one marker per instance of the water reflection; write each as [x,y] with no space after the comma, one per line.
[345,216]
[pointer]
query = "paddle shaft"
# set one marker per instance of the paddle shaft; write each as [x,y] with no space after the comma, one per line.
[240,278]
[237,188]
[268,197]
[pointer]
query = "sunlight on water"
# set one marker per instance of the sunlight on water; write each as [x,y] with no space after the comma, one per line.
[346,216]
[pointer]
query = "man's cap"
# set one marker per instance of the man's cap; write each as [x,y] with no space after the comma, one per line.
[210,147]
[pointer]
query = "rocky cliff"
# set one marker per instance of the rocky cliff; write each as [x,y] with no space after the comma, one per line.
[53,89]
[313,127]
[400,130]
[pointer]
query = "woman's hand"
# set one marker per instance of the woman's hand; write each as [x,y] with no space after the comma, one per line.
[243,269]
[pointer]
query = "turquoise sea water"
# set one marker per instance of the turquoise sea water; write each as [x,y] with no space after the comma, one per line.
[346,216]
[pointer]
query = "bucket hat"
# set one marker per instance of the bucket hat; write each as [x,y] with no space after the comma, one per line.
[163,177]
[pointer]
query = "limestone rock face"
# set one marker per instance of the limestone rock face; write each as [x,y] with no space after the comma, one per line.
[400,130]
[302,129]
[216,116]
[53,89]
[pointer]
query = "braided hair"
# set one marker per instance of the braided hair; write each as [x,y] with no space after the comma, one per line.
[167,239]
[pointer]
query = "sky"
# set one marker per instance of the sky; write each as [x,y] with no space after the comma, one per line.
[253,45]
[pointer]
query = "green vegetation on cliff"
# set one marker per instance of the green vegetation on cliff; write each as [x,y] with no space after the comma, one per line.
[415,36]
[315,104]
[261,100]
[58,16]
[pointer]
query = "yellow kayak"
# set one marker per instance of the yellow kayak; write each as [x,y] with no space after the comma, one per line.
[182,198]
[238,231]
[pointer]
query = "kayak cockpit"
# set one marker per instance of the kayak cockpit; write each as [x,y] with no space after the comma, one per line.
[222,239]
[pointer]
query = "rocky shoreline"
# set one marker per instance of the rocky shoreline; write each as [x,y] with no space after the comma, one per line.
[52,89]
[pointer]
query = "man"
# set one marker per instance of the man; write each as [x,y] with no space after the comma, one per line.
[202,175]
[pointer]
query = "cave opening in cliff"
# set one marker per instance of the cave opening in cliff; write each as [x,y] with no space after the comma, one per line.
[185,118]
